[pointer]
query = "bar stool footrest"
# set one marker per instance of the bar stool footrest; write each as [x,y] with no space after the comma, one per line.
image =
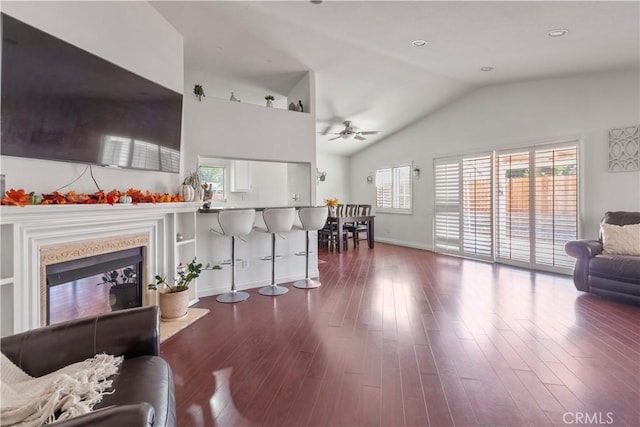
[232,297]
[273,290]
[307,284]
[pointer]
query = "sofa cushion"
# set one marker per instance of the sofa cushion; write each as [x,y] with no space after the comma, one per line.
[144,379]
[625,268]
[621,240]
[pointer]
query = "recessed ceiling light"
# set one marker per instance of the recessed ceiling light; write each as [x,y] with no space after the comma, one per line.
[419,43]
[557,33]
[486,69]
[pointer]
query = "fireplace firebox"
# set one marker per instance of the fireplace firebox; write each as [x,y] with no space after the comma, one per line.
[94,285]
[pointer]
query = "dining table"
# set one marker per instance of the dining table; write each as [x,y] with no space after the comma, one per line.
[341,220]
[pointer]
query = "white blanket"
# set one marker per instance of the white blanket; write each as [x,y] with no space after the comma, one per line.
[69,392]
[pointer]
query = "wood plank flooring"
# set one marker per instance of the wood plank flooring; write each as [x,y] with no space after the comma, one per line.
[404,337]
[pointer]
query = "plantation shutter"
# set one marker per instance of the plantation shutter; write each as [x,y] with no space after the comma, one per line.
[513,207]
[402,187]
[556,205]
[447,205]
[384,193]
[477,207]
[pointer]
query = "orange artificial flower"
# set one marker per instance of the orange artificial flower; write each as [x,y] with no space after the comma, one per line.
[16,198]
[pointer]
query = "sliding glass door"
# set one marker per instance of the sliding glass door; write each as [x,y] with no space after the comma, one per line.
[518,206]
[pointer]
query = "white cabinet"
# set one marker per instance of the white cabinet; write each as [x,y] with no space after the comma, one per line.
[240,174]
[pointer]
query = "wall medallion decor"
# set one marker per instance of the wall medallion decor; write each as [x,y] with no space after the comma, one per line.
[624,149]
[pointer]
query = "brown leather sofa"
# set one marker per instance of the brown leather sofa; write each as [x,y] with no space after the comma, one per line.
[606,275]
[144,388]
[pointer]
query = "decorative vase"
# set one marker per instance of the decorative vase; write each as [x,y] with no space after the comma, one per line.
[173,305]
[269,103]
[332,211]
[187,192]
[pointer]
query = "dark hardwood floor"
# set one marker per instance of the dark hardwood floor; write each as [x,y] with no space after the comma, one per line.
[404,337]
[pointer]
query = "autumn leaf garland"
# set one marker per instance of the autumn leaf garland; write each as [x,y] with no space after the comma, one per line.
[20,197]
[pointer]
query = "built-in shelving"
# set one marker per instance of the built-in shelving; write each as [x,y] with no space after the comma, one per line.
[184,223]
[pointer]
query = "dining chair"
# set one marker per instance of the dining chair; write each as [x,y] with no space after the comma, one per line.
[361,226]
[329,235]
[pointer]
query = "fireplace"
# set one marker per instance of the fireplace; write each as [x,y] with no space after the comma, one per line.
[75,276]
[94,285]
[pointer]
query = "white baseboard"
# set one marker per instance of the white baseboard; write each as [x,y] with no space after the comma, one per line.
[284,281]
[414,245]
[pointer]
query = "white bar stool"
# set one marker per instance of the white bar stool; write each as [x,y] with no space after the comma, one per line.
[234,222]
[311,219]
[276,220]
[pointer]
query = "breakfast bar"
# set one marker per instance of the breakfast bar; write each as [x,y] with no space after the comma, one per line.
[252,254]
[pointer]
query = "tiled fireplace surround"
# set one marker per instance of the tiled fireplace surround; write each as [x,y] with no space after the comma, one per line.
[36,236]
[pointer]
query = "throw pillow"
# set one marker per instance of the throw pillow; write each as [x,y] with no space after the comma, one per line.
[621,240]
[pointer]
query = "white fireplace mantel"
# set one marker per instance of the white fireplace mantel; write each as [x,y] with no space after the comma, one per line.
[25,230]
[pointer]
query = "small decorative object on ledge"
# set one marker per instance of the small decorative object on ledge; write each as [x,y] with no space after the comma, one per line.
[624,149]
[190,185]
[300,107]
[269,99]
[198,92]
[293,107]
[233,98]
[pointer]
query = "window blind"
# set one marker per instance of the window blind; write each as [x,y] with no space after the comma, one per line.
[477,212]
[556,205]
[513,207]
[447,205]
[384,194]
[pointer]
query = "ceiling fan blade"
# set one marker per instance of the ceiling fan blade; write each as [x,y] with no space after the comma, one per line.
[326,130]
[370,132]
[359,138]
[337,137]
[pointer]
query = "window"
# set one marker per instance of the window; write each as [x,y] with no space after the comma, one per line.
[393,188]
[516,206]
[214,176]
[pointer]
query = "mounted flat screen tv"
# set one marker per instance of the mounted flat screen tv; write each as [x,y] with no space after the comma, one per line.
[60,102]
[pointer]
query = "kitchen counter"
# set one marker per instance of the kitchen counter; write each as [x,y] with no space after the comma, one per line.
[216,209]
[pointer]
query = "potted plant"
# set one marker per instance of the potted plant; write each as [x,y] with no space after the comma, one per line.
[124,288]
[198,91]
[269,99]
[174,298]
[191,188]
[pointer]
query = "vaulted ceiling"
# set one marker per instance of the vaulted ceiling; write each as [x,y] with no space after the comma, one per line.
[367,70]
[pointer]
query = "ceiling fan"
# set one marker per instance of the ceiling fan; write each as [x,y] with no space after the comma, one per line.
[351,132]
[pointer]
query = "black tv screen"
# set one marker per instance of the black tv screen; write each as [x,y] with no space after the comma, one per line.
[60,102]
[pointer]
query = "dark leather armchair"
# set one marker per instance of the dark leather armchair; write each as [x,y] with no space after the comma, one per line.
[607,275]
[144,389]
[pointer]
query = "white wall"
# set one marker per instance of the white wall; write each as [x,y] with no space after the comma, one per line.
[215,127]
[132,35]
[507,115]
[336,184]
